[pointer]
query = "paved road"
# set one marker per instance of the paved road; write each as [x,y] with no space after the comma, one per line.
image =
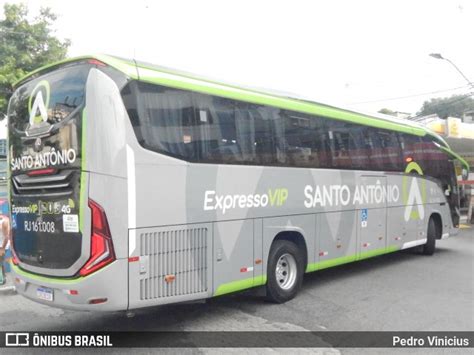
[400,291]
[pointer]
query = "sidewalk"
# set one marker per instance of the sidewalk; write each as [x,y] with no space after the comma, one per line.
[8,288]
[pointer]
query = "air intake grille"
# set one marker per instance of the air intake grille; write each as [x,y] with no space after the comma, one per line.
[57,185]
[181,253]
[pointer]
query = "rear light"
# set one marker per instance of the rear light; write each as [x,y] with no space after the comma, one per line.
[96,62]
[14,259]
[48,171]
[98,300]
[102,250]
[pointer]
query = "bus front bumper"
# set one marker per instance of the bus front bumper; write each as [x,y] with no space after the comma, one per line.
[104,290]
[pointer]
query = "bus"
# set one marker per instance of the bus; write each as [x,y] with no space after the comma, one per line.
[133,185]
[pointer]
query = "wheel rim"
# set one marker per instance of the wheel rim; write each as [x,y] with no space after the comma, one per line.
[285,271]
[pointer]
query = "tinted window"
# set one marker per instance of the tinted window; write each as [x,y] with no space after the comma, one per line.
[226,131]
[386,150]
[163,119]
[437,164]
[355,147]
[307,143]
[209,129]
[61,92]
[360,148]
[412,149]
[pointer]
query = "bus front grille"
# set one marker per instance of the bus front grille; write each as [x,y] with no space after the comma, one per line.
[177,262]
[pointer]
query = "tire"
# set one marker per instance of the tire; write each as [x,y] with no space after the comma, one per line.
[430,246]
[285,271]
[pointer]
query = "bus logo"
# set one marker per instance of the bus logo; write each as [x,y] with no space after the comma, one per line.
[39,109]
[414,197]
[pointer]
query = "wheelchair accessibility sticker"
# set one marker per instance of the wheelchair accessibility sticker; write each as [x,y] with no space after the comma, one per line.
[364,214]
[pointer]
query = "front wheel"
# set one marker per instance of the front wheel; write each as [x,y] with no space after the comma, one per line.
[430,246]
[284,272]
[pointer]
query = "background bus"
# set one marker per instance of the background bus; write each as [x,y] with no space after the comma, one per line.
[134,185]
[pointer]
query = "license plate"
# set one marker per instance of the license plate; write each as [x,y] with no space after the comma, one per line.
[44,293]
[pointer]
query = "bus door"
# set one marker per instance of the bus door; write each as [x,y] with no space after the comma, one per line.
[372,215]
[452,192]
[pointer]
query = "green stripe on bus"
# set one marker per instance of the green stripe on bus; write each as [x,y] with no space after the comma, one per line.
[350,258]
[20,272]
[177,79]
[330,263]
[377,252]
[262,280]
[456,156]
[178,82]
[116,63]
[240,285]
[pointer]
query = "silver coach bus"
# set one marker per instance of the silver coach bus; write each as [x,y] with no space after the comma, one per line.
[133,185]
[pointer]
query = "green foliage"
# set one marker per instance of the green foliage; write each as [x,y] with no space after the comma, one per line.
[387,111]
[26,45]
[453,106]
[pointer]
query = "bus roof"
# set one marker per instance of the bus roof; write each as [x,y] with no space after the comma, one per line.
[183,80]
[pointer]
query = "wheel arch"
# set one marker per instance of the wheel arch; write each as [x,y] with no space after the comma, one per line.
[436,216]
[295,237]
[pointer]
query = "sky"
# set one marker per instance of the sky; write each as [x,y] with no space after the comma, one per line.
[362,54]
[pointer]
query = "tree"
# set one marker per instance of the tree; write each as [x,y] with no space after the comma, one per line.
[26,45]
[453,106]
[387,111]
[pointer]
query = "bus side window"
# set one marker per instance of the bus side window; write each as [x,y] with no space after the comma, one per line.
[130,97]
[412,149]
[166,120]
[306,145]
[339,140]
[358,148]
[226,132]
[376,150]
[391,152]
[433,159]
[264,137]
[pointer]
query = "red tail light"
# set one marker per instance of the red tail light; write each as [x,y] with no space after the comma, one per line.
[102,250]
[98,301]
[48,171]
[96,62]
[15,260]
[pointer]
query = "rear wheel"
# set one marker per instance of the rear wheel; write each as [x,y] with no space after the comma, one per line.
[430,246]
[284,271]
